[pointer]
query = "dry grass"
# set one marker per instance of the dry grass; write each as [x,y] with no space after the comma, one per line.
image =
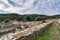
[52,33]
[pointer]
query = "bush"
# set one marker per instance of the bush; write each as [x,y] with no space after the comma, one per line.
[27,18]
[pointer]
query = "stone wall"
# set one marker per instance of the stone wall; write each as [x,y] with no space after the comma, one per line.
[34,34]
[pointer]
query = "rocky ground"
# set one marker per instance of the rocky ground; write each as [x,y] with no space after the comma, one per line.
[14,29]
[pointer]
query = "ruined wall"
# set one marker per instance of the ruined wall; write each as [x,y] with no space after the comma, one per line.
[34,34]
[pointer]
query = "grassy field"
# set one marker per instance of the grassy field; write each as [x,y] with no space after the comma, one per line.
[52,33]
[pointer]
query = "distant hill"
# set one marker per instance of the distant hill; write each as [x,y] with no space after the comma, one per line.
[26,17]
[8,16]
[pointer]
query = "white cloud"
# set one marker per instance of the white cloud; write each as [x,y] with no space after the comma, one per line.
[46,7]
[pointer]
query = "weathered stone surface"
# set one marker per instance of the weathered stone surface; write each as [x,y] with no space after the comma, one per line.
[29,33]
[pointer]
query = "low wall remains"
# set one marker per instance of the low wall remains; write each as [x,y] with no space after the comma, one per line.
[34,32]
[28,33]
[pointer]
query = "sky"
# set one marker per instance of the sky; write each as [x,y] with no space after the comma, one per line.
[44,7]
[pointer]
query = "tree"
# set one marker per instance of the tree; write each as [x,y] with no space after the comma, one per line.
[27,18]
[38,18]
[6,21]
[19,18]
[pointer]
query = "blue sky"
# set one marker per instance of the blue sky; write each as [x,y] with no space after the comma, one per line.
[45,7]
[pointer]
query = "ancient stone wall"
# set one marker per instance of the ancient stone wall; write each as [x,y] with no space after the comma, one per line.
[34,34]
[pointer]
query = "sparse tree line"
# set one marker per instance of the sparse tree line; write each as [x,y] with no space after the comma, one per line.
[23,18]
[32,17]
[29,18]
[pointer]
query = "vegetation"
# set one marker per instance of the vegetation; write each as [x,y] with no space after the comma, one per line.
[32,17]
[19,18]
[7,16]
[52,33]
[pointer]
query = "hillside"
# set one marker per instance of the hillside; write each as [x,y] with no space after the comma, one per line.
[27,17]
